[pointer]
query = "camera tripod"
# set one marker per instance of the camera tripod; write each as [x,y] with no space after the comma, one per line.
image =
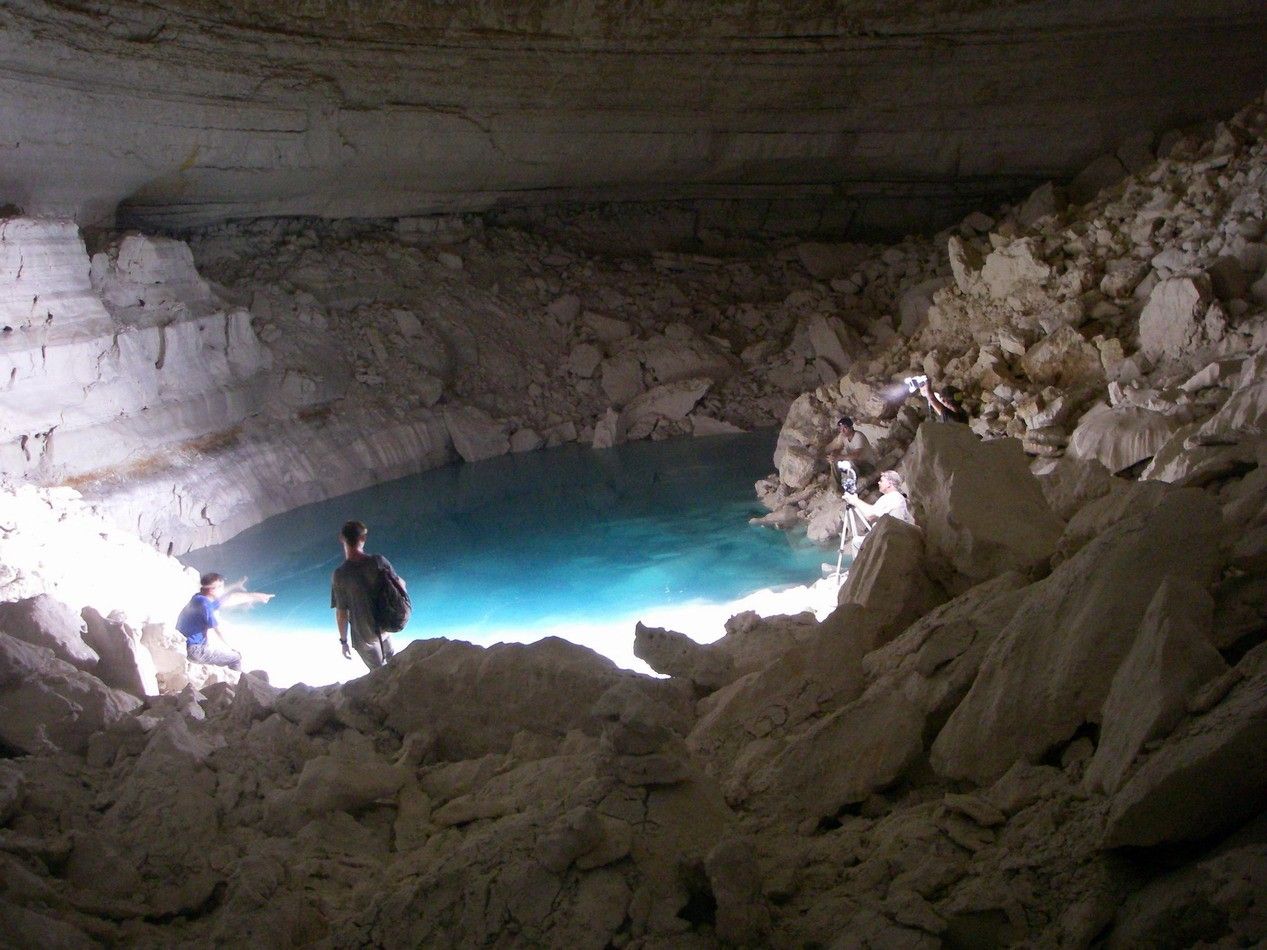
[852,525]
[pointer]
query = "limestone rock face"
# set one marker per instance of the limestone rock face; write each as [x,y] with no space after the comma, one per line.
[1122,437]
[1170,660]
[982,511]
[1204,781]
[224,121]
[1051,669]
[47,703]
[46,622]
[890,581]
[476,435]
[125,662]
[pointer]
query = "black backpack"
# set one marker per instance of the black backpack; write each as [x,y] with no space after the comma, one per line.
[391,602]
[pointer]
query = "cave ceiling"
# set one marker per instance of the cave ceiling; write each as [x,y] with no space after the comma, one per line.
[183,113]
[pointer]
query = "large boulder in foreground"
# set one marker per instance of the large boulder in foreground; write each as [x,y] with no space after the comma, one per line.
[45,702]
[126,663]
[47,622]
[890,580]
[471,700]
[982,510]
[1171,659]
[1207,779]
[1121,437]
[1051,668]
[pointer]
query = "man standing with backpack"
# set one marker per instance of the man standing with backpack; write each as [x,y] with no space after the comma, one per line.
[368,597]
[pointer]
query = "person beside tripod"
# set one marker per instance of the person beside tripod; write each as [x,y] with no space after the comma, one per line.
[892,501]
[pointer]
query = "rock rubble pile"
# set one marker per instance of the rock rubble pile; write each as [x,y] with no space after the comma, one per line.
[1035,720]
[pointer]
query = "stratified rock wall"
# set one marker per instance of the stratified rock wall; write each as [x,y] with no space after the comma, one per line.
[851,114]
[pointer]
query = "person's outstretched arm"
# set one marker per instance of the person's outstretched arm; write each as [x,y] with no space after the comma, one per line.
[240,598]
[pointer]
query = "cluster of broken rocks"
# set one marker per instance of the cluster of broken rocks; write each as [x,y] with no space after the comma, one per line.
[1037,718]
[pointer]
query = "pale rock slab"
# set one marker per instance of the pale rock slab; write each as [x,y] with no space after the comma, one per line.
[1171,660]
[608,430]
[1013,268]
[1172,324]
[606,329]
[1206,779]
[125,662]
[982,511]
[965,264]
[46,702]
[702,425]
[670,401]
[621,379]
[1069,483]
[476,435]
[935,660]
[46,622]
[526,440]
[826,261]
[1051,668]
[1120,437]
[1063,358]
[676,654]
[829,338]
[914,304]
[668,359]
[889,580]
[1244,415]
[585,359]
[329,783]
[818,676]
[881,737]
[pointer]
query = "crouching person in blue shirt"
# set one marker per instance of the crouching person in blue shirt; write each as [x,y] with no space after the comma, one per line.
[200,616]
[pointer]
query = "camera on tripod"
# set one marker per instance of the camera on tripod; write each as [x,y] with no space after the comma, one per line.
[848,477]
[913,384]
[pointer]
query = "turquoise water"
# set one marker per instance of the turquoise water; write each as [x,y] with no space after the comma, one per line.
[568,536]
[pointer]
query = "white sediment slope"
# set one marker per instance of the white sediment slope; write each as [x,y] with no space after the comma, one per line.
[1036,719]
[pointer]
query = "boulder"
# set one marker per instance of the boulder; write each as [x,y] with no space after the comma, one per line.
[982,511]
[1070,483]
[328,783]
[825,261]
[965,264]
[1121,437]
[809,680]
[831,342]
[584,359]
[1050,670]
[913,305]
[526,440]
[1171,325]
[621,379]
[605,328]
[843,759]
[1206,779]
[890,582]
[669,401]
[1244,415]
[1171,660]
[476,435]
[1012,268]
[1102,172]
[1045,201]
[676,654]
[1063,358]
[46,702]
[46,622]
[124,663]
[446,689]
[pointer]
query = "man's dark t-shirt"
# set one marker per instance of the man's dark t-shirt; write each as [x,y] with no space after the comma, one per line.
[352,589]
